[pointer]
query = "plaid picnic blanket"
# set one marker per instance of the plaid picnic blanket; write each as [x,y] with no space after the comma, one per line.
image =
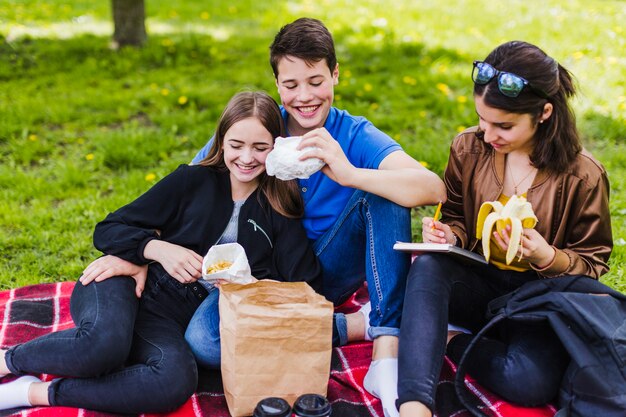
[32,311]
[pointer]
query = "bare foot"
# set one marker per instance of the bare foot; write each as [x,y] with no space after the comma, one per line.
[38,393]
[4,370]
[356,327]
[414,409]
[451,334]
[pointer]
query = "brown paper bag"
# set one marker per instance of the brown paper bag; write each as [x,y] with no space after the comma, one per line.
[276,341]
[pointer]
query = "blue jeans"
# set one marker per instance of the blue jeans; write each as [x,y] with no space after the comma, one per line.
[524,364]
[203,332]
[360,245]
[125,355]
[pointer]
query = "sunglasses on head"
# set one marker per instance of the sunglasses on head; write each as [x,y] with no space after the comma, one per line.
[509,84]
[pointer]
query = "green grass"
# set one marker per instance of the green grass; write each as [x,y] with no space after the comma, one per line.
[84,130]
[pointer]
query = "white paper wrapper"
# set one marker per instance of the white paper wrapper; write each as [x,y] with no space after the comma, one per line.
[283,161]
[238,272]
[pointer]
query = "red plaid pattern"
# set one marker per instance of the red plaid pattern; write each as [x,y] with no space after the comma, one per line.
[36,310]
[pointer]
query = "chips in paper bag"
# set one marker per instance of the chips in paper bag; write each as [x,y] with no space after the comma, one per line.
[227,262]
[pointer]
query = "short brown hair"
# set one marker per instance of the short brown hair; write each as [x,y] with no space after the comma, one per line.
[304,38]
[283,196]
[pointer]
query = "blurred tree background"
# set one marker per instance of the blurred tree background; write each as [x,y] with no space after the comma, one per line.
[128,22]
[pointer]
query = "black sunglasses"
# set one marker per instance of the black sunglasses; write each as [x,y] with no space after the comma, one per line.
[509,84]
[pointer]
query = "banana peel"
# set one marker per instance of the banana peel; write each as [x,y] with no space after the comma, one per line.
[517,212]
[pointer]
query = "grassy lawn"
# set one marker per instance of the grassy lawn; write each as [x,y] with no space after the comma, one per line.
[84,130]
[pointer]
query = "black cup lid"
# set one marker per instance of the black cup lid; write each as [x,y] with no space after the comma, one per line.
[272,407]
[312,405]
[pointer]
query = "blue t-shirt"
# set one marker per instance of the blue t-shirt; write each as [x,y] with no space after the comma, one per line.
[324,200]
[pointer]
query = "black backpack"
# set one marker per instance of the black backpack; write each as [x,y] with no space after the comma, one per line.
[590,320]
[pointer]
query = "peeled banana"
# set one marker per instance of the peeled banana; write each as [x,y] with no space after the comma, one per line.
[517,212]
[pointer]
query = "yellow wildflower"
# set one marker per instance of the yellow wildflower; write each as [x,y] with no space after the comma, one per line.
[368,87]
[182,100]
[578,55]
[165,92]
[205,15]
[89,157]
[167,42]
[347,73]
[460,128]
[424,164]
[461,99]
[150,177]
[374,106]
[443,88]
[409,80]
[32,137]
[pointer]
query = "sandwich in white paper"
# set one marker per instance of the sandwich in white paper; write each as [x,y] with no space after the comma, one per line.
[227,262]
[284,163]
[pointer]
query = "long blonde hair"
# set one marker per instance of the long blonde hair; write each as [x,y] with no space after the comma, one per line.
[283,196]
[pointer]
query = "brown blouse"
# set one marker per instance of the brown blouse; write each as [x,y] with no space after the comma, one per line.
[572,207]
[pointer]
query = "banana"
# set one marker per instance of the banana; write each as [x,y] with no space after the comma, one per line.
[517,212]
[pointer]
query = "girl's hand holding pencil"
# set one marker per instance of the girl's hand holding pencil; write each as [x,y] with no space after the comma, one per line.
[433,231]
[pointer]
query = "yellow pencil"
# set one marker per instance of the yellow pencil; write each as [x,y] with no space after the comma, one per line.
[436,216]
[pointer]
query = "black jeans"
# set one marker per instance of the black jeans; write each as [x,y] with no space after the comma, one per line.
[126,355]
[523,365]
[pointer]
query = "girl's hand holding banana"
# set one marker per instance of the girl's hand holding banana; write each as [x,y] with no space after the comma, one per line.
[512,226]
[533,247]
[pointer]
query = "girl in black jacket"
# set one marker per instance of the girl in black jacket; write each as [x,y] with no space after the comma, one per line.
[128,354]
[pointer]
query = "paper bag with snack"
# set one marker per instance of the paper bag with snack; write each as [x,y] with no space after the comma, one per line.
[276,341]
[227,262]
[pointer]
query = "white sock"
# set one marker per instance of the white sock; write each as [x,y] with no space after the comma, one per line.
[15,393]
[365,310]
[381,381]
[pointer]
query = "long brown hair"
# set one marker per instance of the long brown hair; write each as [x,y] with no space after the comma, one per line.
[557,142]
[283,196]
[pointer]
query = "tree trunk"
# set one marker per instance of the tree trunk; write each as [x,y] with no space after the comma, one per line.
[129,20]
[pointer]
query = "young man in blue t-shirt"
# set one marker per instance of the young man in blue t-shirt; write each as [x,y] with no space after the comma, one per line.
[356,207]
[359,204]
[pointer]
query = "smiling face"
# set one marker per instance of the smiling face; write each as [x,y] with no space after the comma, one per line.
[306,92]
[506,132]
[246,145]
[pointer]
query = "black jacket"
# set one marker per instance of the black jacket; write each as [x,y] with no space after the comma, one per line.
[589,319]
[191,207]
